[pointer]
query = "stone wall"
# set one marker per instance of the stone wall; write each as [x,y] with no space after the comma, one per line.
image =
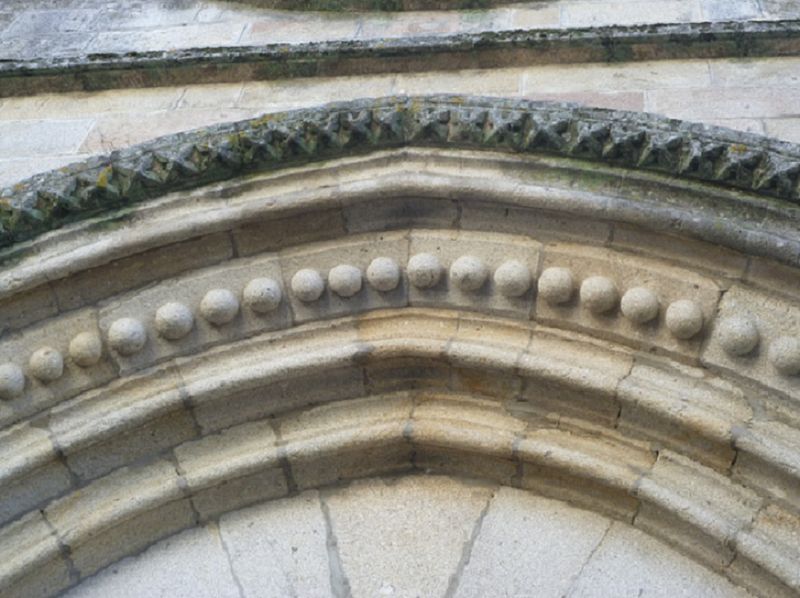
[461,345]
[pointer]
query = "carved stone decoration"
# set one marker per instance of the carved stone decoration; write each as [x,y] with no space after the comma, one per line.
[185,161]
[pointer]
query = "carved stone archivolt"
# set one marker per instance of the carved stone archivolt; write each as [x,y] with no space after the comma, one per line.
[601,312]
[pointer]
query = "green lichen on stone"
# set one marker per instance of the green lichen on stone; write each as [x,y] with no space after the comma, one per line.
[648,143]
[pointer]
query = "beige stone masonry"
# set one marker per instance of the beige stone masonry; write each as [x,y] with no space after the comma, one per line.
[119,513]
[32,563]
[56,333]
[350,440]
[249,450]
[773,317]
[682,409]
[767,459]
[694,508]
[667,283]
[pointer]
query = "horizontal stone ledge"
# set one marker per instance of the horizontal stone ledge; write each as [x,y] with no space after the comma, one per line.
[412,54]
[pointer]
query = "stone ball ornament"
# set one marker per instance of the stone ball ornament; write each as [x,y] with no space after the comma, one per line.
[738,335]
[784,355]
[469,273]
[46,364]
[127,336]
[219,307]
[262,295]
[599,294]
[174,321]
[383,274]
[639,305]
[513,279]
[86,349]
[307,285]
[12,381]
[684,319]
[345,280]
[556,285]
[424,270]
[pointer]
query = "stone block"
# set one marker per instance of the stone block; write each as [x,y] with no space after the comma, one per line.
[347,440]
[311,91]
[683,410]
[395,213]
[581,14]
[537,224]
[505,82]
[120,514]
[43,137]
[280,547]
[120,423]
[556,382]
[436,515]
[493,250]
[192,564]
[721,10]
[733,102]
[26,307]
[773,317]
[529,546]
[592,473]
[232,469]
[694,508]
[768,552]
[767,459]
[30,559]
[31,472]
[56,333]
[90,286]
[190,290]
[631,563]
[168,38]
[775,277]
[666,75]
[668,283]
[358,252]
[688,253]
[272,235]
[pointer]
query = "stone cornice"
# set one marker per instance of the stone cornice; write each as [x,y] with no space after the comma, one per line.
[754,164]
[487,49]
[383,5]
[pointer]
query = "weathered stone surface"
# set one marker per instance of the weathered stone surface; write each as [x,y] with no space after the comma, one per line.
[643,566]
[402,512]
[187,565]
[529,545]
[279,548]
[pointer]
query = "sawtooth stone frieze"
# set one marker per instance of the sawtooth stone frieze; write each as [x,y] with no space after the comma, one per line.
[760,166]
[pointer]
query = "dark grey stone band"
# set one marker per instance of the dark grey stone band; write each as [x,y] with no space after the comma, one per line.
[722,157]
[335,58]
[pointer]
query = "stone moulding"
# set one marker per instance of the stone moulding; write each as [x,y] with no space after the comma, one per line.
[382,5]
[347,57]
[763,168]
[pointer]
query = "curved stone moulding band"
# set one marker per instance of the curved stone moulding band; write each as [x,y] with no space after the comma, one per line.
[484,391]
[391,433]
[738,335]
[760,166]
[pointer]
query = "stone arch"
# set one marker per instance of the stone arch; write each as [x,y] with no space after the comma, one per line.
[562,302]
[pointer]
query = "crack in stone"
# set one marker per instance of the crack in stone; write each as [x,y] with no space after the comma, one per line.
[215,529]
[588,560]
[63,549]
[469,544]
[340,586]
